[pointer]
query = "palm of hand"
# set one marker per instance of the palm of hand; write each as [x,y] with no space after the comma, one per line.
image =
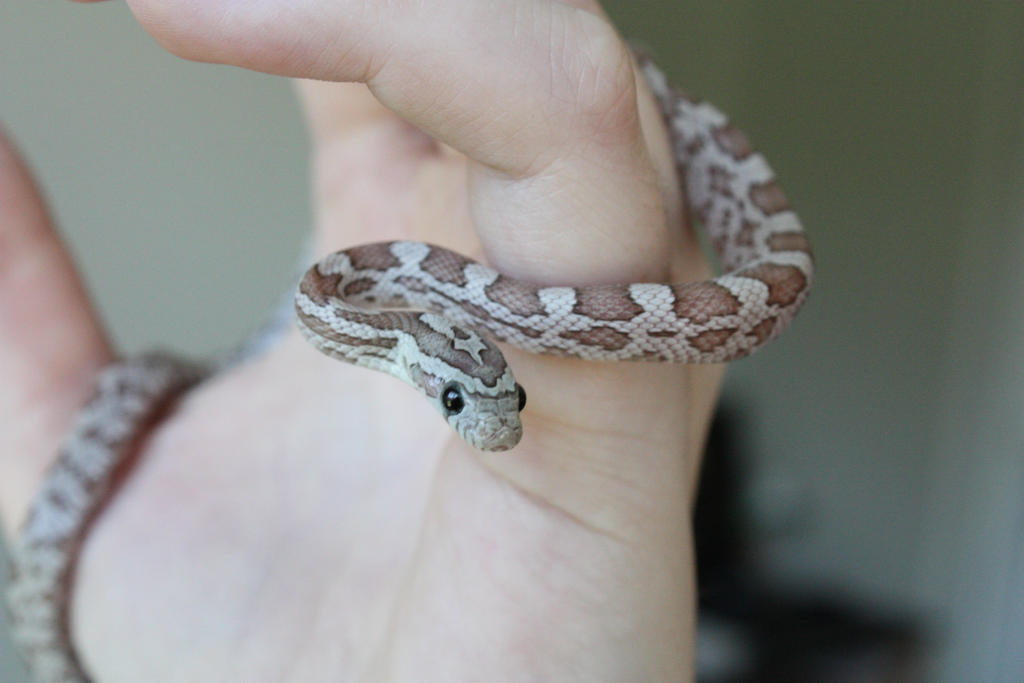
[299,519]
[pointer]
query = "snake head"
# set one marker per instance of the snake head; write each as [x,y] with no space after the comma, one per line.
[485,415]
[488,422]
[465,376]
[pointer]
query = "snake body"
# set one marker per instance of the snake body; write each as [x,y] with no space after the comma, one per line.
[345,305]
[128,397]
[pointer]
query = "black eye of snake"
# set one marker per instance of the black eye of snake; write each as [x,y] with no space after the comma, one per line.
[451,399]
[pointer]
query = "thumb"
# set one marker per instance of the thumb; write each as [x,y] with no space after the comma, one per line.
[51,343]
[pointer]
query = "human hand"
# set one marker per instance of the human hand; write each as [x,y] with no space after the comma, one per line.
[301,519]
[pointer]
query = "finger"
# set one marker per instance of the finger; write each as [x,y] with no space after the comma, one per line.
[514,85]
[543,98]
[335,110]
[50,341]
[453,53]
[542,94]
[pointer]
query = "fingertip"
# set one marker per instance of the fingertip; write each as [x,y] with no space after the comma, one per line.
[50,342]
[20,202]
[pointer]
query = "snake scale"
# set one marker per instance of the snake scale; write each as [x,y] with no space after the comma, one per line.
[421,313]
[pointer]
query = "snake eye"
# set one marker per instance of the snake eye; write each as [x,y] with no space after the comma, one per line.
[522,396]
[451,399]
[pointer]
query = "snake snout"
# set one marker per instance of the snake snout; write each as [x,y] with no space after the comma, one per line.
[498,434]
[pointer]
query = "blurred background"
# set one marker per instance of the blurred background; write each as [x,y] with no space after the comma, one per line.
[862,513]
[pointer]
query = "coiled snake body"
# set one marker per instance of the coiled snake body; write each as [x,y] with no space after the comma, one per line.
[731,189]
[441,352]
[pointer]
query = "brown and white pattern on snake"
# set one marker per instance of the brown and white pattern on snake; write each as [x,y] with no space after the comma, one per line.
[388,341]
[730,188]
[694,322]
[129,395]
[426,350]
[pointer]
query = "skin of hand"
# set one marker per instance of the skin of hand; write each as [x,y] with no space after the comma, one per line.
[299,519]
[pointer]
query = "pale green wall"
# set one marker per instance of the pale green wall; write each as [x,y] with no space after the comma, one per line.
[882,119]
[862,109]
[167,176]
[890,421]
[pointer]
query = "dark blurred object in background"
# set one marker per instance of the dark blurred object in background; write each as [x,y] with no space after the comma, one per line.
[750,630]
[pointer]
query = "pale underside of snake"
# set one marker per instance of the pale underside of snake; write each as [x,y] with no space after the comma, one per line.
[440,347]
[421,312]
